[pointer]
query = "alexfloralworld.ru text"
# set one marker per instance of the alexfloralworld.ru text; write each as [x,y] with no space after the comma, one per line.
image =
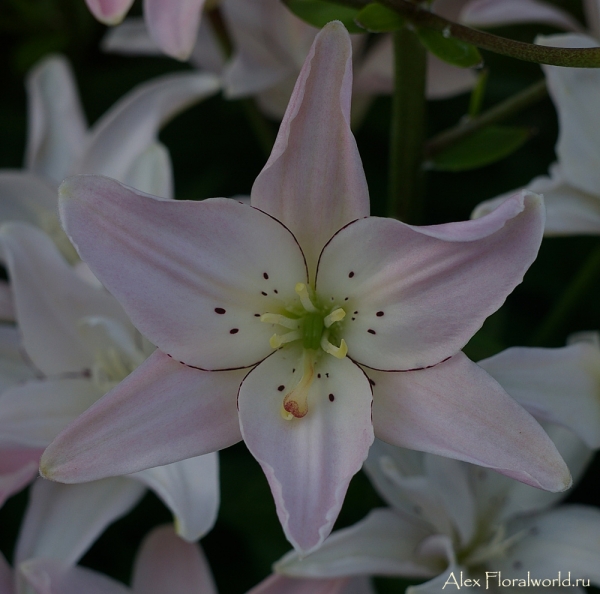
[494,579]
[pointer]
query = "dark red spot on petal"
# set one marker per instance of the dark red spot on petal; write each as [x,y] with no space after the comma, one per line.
[351,275]
[265,276]
[331,397]
[355,312]
[281,388]
[219,310]
[275,291]
[263,293]
[371,331]
[379,314]
[257,315]
[318,375]
[371,382]
[234,331]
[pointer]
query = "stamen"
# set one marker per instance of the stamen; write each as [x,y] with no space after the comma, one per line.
[279,339]
[302,291]
[335,316]
[295,402]
[280,320]
[338,352]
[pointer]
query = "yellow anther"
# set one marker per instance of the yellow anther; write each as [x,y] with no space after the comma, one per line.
[278,340]
[335,316]
[280,320]
[338,352]
[307,304]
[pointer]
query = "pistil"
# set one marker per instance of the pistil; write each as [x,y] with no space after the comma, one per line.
[295,403]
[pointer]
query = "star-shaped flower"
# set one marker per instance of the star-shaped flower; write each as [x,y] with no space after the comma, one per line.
[290,313]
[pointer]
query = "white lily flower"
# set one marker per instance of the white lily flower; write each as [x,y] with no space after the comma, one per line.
[122,144]
[83,344]
[452,520]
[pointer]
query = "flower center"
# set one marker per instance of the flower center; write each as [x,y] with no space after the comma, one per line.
[319,328]
[496,547]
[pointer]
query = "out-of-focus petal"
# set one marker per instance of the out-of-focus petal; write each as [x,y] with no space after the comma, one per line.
[109,12]
[34,413]
[7,307]
[56,124]
[50,576]
[279,584]
[161,413]
[314,181]
[174,25]
[384,543]
[579,136]
[26,197]
[494,13]
[569,211]
[190,489]
[419,293]
[18,466]
[62,521]
[565,539]
[308,461]
[15,368]
[50,299]
[152,172]
[556,385]
[185,271]
[456,409]
[6,576]
[130,38]
[592,16]
[166,563]
[445,80]
[119,137]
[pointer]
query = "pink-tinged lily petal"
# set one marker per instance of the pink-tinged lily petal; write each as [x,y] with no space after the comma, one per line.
[279,584]
[50,299]
[62,521]
[18,467]
[591,9]
[174,25]
[190,489]
[498,13]
[56,124]
[565,539]
[166,563]
[384,543]
[181,276]
[419,293]
[457,410]
[556,385]
[579,137]
[519,498]
[161,413]
[308,460]
[569,211]
[314,181]
[6,576]
[109,12]
[50,576]
[33,414]
[118,138]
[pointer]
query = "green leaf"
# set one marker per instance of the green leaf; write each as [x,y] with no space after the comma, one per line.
[318,13]
[450,49]
[481,148]
[377,18]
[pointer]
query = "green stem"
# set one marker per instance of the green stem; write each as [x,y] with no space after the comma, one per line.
[499,112]
[407,127]
[578,287]
[529,52]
